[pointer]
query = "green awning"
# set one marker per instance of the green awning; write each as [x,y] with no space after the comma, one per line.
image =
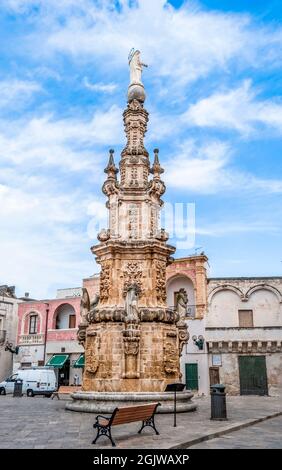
[57,360]
[80,361]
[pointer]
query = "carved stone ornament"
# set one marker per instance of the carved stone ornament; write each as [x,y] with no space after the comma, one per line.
[183,337]
[92,352]
[161,280]
[162,235]
[105,282]
[132,275]
[103,235]
[131,340]
[81,333]
[110,187]
[171,358]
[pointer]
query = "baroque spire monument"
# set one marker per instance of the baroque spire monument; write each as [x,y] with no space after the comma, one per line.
[132,340]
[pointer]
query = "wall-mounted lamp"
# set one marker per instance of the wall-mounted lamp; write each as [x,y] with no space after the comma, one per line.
[198,341]
[9,347]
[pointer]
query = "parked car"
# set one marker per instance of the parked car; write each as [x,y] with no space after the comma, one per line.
[36,381]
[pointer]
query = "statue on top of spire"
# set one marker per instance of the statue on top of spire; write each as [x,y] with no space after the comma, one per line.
[136,88]
[135,66]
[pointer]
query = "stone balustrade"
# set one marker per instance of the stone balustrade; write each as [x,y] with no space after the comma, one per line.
[31,339]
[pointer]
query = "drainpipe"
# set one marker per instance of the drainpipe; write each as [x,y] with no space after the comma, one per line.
[46,329]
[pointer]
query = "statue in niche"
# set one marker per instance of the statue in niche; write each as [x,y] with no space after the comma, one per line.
[181,304]
[84,305]
[131,305]
[135,66]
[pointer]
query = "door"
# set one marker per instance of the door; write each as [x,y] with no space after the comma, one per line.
[191,374]
[252,373]
[214,375]
[64,374]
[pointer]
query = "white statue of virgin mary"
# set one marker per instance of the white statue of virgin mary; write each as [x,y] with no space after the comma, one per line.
[135,66]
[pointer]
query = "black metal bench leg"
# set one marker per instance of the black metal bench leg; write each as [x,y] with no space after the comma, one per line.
[111,439]
[149,422]
[103,431]
[97,437]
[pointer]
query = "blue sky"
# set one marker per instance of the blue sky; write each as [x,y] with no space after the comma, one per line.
[214,88]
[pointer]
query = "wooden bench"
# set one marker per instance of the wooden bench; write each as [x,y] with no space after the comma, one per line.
[129,414]
[64,390]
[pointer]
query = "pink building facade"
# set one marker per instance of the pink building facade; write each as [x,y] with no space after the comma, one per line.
[47,335]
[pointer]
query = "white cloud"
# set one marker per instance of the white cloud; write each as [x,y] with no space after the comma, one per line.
[44,233]
[183,44]
[208,169]
[99,87]
[221,229]
[199,168]
[237,109]
[67,143]
[16,92]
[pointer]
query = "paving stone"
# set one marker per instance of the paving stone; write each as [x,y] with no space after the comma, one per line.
[42,423]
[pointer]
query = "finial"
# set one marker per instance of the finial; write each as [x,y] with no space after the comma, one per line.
[156,167]
[156,159]
[111,164]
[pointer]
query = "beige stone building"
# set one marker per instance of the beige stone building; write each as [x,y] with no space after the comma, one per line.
[243,332]
[8,328]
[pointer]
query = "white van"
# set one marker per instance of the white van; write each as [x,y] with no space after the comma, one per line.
[36,381]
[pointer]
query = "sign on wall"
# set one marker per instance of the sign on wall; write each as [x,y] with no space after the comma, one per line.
[216,360]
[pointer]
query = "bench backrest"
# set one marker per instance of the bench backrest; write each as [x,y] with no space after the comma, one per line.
[129,414]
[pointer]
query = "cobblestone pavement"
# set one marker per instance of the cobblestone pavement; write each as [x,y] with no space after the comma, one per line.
[44,423]
[265,435]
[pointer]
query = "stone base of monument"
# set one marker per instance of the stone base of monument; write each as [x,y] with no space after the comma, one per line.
[106,402]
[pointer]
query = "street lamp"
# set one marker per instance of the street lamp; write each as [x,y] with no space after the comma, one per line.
[199,341]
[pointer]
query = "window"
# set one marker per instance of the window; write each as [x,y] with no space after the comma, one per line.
[25,364]
[245,318]
[40,363]
[72,321]
[33,323]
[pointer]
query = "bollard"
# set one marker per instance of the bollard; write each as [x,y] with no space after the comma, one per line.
[218,402]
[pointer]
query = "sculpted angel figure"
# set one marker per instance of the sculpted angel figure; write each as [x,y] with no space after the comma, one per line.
[181,304]
[135,66]
[84,305]
[131,306]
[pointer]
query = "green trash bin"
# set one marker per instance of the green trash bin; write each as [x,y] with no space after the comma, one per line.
[218,402]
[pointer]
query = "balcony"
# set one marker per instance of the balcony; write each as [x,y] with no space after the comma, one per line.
[31,339]
[2,336]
